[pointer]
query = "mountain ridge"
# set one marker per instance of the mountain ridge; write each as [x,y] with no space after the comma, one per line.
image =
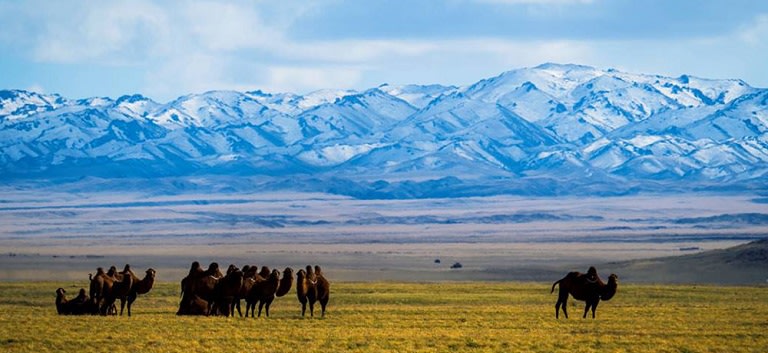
[574,125]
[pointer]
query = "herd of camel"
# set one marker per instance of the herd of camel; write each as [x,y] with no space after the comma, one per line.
[211,292]
[203,292]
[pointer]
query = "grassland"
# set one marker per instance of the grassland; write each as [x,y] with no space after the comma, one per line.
[405,317]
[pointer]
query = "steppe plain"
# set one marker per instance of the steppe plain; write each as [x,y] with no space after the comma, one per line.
[50,236]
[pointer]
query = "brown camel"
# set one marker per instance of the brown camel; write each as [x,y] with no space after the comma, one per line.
[119,290]
[306,289]
[262,292]
[62,304]
[193,305]
[140,286]
[226,291]
[100,283]
[195,271]
[302,288]
[587,287]
[285,283]
[201,285]
[323,290]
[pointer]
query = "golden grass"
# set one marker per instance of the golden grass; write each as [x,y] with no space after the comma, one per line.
[405,317]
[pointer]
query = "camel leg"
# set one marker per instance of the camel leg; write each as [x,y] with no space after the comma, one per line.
[323,303]
[311,309]
[303,308]
[131,299]
[122,306]
[591,304]
[562,302]
[267,308]
[261,305]
[237,305]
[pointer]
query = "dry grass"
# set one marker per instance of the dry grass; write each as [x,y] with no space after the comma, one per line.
[405,317]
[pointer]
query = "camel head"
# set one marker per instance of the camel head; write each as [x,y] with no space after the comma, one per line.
[151,273]
[610,287]
[288,272]
[60,292]
[275,274]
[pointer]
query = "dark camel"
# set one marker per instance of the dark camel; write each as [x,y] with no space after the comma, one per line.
[587,287]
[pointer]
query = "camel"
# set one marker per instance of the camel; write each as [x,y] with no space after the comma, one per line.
[226,291]
[323,290]
[585,287]
[198,283]
[118,290]
[201,286]
[62,304]
[262,291]
[306,289]
[193,305]
[285,283]
[100,283]
[194,272]
[140,286]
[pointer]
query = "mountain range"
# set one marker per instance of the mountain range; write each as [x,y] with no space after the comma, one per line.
[552,129]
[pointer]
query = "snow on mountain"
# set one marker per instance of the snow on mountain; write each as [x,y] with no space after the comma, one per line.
[576,126]
[418,96]
[17,104]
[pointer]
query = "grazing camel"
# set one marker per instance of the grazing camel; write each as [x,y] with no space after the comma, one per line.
[585,287]
[140,286]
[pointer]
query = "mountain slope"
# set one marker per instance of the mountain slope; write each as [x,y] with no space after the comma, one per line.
[742,264]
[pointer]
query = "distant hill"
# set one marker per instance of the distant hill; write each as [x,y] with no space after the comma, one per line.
[743,264]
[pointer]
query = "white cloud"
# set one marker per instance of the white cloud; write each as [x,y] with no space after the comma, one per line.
[228,26]
[755,32]
[113,32]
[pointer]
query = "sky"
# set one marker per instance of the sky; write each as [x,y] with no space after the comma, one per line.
[166,49]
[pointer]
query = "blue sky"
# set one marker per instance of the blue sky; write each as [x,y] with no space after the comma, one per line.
[165,49]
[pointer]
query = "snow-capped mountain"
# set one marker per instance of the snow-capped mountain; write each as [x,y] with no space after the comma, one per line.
[547,129]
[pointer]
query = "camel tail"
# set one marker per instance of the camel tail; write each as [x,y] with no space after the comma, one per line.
[553,286]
